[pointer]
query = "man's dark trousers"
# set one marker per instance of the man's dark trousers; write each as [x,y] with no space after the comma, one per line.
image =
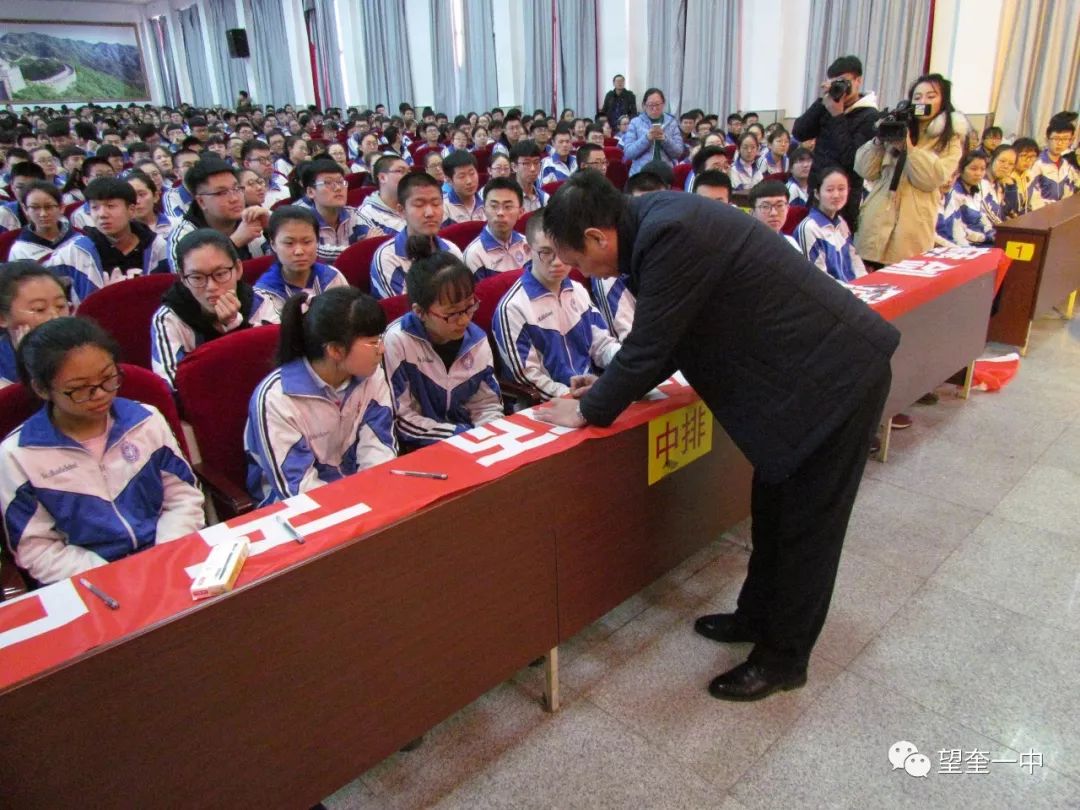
[798,528]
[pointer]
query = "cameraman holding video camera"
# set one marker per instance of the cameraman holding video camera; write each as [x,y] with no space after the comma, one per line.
[915,151]
[840,122]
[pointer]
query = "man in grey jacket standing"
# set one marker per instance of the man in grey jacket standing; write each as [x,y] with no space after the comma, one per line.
[794,367]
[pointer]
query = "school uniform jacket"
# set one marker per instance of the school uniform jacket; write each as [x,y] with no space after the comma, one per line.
[299,436]
[455,210]
[176,202]
[433,402]
[796,194]
[9,370]
[616,304]
[11,217]
[1051,181]
[28,245]
[193,220]
[334,237]
[485,255]
[544,339]
[827,244]
[380,215]
[65,513]
[963,221]
[552,169]
[78,259]
[744,177]
[390,264]
[781,354]
[272,286]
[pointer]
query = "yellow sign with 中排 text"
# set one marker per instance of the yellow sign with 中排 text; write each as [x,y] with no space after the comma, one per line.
[677,438]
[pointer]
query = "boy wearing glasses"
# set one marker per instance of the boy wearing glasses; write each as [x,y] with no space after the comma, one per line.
[115,248]
[769,206]
[218,203]
[550,336]
[256,155]
[1053,177]
[526,157]
[325,193]
[498,247]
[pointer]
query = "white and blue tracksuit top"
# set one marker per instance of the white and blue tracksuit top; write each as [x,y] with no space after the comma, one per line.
[380,215]
[616,303]
[176,202]
[272,286]
[552,169]
[544,339]
[769,165]
[78,259]
[486,255]
[64,512]
[962,219]
[390,264]
[455,210]
[28,245]
[1051,181]
[335,237]
[9,371]
[10,217]
[797,195]
[301,434]
[827,244]
[744,177]
[434,402]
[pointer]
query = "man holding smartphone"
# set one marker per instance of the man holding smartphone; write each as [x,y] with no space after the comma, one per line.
[653,135]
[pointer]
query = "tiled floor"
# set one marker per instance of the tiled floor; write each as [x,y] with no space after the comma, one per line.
[954,626]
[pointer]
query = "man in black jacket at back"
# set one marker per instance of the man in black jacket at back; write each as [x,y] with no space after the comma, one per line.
[618,102]
[794,367]
[840,126]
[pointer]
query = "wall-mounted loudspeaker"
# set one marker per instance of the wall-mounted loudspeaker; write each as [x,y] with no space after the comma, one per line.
[238,45]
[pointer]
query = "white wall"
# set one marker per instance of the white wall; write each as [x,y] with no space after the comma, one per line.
[964,49]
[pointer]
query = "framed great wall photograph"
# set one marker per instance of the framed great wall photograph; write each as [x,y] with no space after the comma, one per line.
[70,61]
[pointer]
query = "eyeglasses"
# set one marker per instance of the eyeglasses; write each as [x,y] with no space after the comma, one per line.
[225,192]
[255,182]
[259,160]
[43,209]
[771,208]
[597,164]
[458,316]
[1060,138]
[546,255]
[528,164]
[372,342]
[199,280]
[333,185]
[85,393]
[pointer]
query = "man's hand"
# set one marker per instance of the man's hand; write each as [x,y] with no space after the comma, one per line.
[834,107]
[580,384]
[226,308]
[253,222]
[562,411]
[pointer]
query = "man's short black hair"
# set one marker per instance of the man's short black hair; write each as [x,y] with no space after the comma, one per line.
[767,188]
[27,168]
[702,156]
[714,178]
[110,188]
[253,145]
[58,128]
[107,150]
[586,200]
[993,132]
[661,170]
[645,182]
[310,171]
[525,148]
[458,159]
[584,154]
[384,163]
[203,170]
[1026,145]
[414,181]
[505,184]
[845,64]
[734,117]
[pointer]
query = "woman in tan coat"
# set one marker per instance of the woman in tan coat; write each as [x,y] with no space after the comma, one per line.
[897,224]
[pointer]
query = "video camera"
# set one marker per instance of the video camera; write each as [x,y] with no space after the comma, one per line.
[839,88]
[894,124]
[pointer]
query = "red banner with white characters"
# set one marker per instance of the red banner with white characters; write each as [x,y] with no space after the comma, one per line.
[52,625]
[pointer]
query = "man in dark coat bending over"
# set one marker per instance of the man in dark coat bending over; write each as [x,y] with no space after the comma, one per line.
[793,366]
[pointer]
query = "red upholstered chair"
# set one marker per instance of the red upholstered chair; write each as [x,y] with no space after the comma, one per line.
[394,307]
[215,383]
[253,268]
[125,310]
[280,204]
[730,150]
[356,196]
[579,277]
[552,187]
[490,291]
[614,154]
[356,179]
[483,157]
[461,233]
[7,239]
[611,142]
[71,208]
[421,153]
[795,215]
[483,178]
[779,176]
[523,220]
[681,172]
[355,261]
[617,173]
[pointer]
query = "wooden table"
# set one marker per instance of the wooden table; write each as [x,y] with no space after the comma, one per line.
[1045,273]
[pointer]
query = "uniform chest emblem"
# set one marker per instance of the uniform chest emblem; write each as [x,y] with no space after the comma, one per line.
[129,452]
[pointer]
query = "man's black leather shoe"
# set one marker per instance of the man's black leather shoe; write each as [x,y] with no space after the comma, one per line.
[753,682]
[724,627]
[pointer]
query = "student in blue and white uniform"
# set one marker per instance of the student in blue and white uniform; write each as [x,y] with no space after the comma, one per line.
[615,302]
[547,330]
[209,299]
[1053,177]
[798,185]
[327,411]
[296,152]
[256,156]
[769,206]
[525,157]
[147,197]
[91,477]
[29,295]
[1000,194]
[93,169]
[708,158]
[177,200]
[116,248]
[775,160]
[381,210]
[560,164]
[421,202]
[12,215]
[964,221]
[745,170]
[824,236]
[325,195]
[461,202]
[294,239]
[47,229]
[440,365]
[498,247]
